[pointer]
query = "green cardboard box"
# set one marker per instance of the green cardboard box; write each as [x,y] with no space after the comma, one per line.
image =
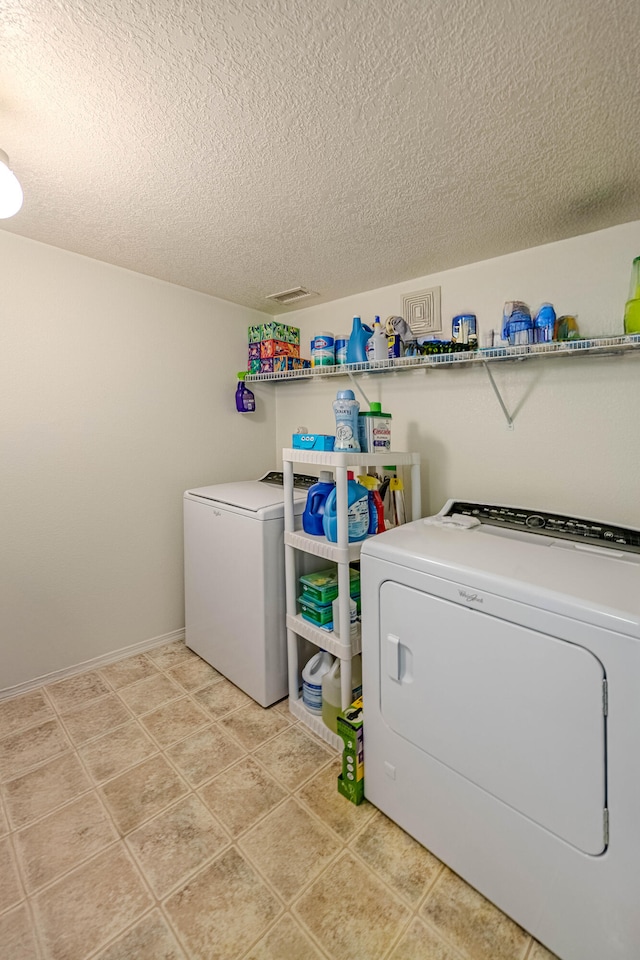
[351,780]
[274,330]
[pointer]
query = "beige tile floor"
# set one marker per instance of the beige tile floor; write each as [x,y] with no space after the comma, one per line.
[149,810]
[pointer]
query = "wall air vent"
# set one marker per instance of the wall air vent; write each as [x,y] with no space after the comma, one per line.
[290,296]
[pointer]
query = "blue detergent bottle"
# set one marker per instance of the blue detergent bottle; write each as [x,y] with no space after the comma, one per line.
[357,346]
[313,513]
[357,514]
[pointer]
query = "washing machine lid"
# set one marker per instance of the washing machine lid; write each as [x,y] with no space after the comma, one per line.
[595,584]
[264,501]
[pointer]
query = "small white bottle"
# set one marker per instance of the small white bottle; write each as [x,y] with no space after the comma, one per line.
[353,618]
[378,346]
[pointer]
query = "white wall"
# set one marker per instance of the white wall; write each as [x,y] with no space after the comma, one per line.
[116,394]
[575,445]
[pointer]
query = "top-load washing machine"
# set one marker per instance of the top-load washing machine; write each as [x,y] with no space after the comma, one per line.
[501,681]
[234,580]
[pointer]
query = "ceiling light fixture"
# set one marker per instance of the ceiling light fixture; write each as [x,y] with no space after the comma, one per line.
[10,189]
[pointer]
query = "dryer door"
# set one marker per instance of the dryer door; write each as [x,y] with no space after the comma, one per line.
[517,712]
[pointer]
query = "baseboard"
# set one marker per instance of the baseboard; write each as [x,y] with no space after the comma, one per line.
[93,664]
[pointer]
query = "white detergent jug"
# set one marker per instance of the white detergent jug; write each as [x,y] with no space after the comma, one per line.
[331,691]
[312,675]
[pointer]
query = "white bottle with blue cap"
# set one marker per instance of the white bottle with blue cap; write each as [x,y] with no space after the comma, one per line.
[346,409]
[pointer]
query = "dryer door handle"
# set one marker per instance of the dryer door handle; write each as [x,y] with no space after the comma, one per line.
[393,656]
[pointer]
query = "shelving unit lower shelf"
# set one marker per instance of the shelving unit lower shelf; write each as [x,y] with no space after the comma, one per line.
[321,547]
[315,724]
[324,639]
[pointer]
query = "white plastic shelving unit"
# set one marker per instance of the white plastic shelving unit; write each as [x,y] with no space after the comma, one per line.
[342,553]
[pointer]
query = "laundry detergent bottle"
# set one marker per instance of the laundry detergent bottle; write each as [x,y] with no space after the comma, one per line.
[357,512]
[346,409]
[313,513]
[357,346]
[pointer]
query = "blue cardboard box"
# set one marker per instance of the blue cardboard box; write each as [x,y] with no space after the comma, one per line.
[313,441]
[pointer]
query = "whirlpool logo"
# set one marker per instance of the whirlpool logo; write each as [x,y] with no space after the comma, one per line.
[471,597]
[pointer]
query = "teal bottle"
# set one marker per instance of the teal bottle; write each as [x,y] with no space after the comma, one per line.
[357,346]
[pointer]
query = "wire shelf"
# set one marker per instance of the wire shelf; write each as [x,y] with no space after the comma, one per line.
[599,345]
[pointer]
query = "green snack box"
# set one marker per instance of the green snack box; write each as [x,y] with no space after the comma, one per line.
[351,780]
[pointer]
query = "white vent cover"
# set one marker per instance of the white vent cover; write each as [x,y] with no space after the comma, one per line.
[421,310]
[290,296]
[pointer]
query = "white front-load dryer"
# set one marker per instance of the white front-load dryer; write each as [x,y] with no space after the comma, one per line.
[501,681]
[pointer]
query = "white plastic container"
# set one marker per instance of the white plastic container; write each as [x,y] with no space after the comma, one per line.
[331,691]
[341,344]
[312,674]
[353,617]
[323,352]
[378,345]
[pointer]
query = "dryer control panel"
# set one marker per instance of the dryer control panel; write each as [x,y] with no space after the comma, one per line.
[550,525]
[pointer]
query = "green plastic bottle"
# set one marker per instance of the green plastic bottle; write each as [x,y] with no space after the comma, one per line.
[632,308]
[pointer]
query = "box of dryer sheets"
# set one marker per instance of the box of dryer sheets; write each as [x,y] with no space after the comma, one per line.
[351,780]
[312,441]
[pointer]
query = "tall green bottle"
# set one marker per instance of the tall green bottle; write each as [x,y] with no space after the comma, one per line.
[632,308]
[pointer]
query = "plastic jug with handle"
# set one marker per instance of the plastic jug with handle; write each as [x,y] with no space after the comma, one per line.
[312,675]
[357,346]
[313,513]
[331,691]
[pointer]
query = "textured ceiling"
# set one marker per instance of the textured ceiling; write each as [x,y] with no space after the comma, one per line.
[242,147]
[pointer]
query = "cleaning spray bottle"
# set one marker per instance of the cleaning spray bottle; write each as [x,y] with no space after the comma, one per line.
[376,508]
[397,492]
[245,400]
[392,495]
[378,344]
[357,513]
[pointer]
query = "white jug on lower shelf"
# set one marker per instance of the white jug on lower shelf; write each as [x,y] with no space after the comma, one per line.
[312,674]
[332,691]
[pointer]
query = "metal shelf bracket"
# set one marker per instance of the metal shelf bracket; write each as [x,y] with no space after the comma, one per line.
[507,415]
